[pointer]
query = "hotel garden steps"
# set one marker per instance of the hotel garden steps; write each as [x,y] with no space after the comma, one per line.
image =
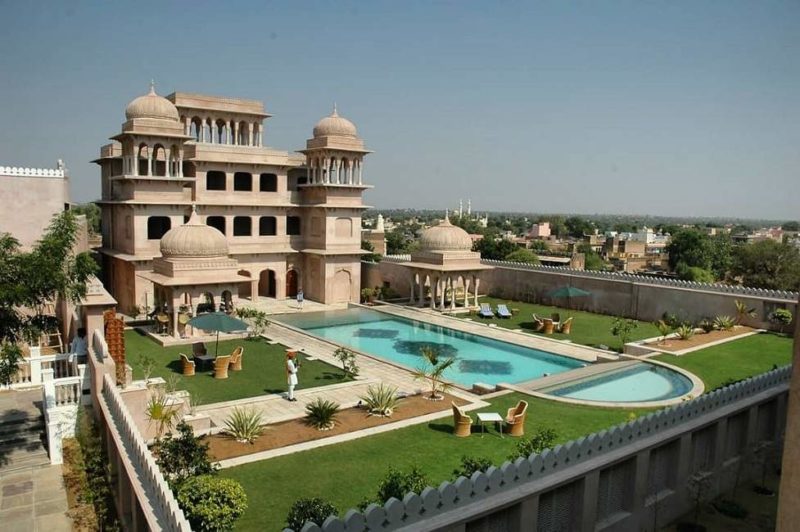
[22,432]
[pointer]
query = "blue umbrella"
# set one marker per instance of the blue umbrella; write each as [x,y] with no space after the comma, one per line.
[217,321]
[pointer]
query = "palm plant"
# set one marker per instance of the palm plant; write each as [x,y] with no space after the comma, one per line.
[321,414]
[685,332]
[244,425]
[743,313]
[381,400]
[724,323]
[663,329]
[433,372]
[160,411]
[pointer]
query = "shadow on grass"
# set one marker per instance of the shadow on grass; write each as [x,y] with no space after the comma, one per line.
[274,390]
[441,427]
[329,376]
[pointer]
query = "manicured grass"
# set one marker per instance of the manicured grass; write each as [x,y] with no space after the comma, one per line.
[347,473]
[587,328]
[263,369]
[735,360]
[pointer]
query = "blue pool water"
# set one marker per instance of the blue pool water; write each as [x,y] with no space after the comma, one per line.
[642,382]
[399,340]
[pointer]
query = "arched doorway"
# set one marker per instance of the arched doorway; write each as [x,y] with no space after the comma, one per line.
[266,284]
[245,287]
[291,283]
[341,287]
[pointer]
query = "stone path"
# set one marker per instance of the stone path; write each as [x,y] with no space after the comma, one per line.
[34,500]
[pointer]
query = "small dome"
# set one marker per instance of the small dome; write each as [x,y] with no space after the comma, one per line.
[151,105]
[445,237]
[335,126]
[194,240]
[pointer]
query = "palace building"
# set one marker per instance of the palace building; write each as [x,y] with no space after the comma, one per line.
[292,221]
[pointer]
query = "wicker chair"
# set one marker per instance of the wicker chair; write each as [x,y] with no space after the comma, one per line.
[566,327]
[549,326]
[556,317]
[188,366]
[221,367]
[515,419]
[462,423]
[236,359]
[538,323]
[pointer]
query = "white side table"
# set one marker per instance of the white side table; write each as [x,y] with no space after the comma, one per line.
[488,417]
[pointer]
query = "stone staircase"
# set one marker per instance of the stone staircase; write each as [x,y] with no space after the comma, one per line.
[22,432]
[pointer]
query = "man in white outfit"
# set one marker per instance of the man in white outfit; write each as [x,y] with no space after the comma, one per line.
[291,373]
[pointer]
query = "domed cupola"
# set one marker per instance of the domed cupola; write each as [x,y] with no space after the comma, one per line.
[151,105]
[335,126]
[194,240]
[445,237]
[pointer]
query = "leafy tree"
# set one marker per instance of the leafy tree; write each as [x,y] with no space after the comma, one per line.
[470,465]
[92,213]
[397,483]
[397,243]
[592,261]
[370,257]
[623,328]
[694,273]
[691,248]
[523,255]
[542,439]
[538,246]
[577,226]
[791,226]
[212,503]
[315,510]
[768,264]
[183,456]
[495,249]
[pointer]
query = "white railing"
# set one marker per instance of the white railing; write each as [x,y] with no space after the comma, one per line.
[31,172]
[67,391]
[31,369]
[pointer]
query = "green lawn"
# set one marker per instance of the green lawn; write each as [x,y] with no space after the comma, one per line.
[346,473]
[735,360]
[262,373]
[587,328]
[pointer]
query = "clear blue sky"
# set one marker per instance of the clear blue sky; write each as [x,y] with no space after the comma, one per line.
[683,108]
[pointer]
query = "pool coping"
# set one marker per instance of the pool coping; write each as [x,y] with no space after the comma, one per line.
[698,387]
[412,370]
[655,351]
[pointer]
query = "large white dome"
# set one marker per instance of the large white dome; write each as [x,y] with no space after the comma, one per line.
[445,237]
[151,105]
[193,240]
[335,126]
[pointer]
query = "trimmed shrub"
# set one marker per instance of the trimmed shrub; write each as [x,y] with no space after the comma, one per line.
[381,400]
[707,325]
[212,503]
[781,317]
[724,323]
[685,332]
[542,439]
[470,465]
[315,510]
[183,456]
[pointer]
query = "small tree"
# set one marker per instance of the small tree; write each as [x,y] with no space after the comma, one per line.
[623,328]
[147,364]
[663,329]
[523,255]
[183,456]
[315,510]
[781,317]
[367,295]
[542,439]
[433,371]
[348,361]
[470,465]
[212,503]
[10,357]
[743,313]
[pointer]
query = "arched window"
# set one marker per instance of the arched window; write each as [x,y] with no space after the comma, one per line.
[267,226]
[293,225]
[268,183]
[242,226]
[157,226]
[217,222]
[243,181]
[215,180]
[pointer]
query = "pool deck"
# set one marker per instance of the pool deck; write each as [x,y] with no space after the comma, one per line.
[557,347]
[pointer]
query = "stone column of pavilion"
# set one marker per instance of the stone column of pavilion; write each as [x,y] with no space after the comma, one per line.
[445,261]
[788,509]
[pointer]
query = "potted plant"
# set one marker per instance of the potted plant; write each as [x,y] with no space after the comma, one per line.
[367,295]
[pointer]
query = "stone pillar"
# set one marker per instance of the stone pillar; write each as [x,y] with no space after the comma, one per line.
[175,332]
[187,126]
[231,138]
[180,163]
[203,124]
[433,292]
[411,299]
[149,161]
[477,285]
[167,163]
[443,290]
[466,291]
[421,285]
[359,172]
[236,133]
[250,135]
[214,132]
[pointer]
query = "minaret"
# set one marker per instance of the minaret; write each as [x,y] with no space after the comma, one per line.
[460,208]
[469,207]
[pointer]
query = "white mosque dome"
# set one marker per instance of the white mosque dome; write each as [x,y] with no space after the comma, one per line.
[445,237]
[335,126]
[194,240]
[151,105]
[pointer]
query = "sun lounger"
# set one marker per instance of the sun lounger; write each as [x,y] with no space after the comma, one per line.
[486,311]
[502,311]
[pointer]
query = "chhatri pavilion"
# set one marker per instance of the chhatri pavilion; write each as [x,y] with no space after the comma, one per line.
[444,266]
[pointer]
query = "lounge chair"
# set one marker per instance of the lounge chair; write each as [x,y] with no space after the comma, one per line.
[462,423]
[221,367]
[538,323]
[502,311]
[566,327]
[188,366]
[549,326]
[486,311]
[515,419]
[236,359]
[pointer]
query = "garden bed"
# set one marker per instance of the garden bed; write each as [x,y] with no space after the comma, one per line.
[348,420]
[673,344]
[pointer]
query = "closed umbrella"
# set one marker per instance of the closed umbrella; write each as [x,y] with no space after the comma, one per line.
[218,321]
[568,292]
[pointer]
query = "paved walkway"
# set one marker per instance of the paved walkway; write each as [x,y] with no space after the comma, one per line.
[34,500]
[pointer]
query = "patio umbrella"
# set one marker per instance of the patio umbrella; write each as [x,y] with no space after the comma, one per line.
[568,292]
[217,321]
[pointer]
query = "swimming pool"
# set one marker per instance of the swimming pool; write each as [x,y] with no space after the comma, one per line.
[400,340]
[638,383]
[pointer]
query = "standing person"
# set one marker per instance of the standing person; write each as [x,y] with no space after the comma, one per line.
[300,299]
[292,365]
[80,346]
